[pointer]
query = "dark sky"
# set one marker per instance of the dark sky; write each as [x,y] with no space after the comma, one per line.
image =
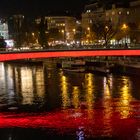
[38,7]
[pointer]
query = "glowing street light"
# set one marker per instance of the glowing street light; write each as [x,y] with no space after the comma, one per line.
[88,28]
[33,34]
[88,35]
[125,28]
[63,32]
[106,28]
[74,31]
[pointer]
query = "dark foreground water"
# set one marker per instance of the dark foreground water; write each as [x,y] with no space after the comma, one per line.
[42,102]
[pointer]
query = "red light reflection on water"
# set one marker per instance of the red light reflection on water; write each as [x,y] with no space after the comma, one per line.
[94,122]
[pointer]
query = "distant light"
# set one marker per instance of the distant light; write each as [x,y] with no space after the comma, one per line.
[33,34]
[88,28]
[124,26]
[10,43]
[62,31]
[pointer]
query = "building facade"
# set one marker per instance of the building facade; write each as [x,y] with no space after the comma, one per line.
[125,18]
[4,30]
[64,24]
[15,24]
[93,13]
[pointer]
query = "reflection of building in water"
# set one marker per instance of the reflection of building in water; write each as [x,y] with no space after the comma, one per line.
[124,104]
[2,76]
[75,97]
[138,134]
[108,110]
[39,82]
[25,81]
[107,83]
[27,85]
[30,81]
[64,90]
[6,82]
[89,85]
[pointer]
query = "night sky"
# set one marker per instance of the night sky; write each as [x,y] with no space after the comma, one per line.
[46,7]
[38,7]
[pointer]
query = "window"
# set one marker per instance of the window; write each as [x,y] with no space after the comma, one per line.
[113,13]
[88,11]
[120,12]
[90,21]
[128,12]
[107,14]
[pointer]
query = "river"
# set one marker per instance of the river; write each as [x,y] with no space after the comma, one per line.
[41,101]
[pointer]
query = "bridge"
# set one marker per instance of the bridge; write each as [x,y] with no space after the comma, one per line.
[54,53]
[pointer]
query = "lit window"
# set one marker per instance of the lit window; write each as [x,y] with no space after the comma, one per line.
[120,12]
[113,13]
[107,14]
[88,11]
[128,12]
[90,21]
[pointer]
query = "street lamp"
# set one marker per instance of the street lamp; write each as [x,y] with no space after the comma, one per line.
[106,28]
[63,32]
[74,31]
[125,28]
[88,34]
[33,34]
[88,28]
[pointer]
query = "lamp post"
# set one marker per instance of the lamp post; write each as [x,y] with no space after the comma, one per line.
[106,36]
[89,35]
[125,28]
[63,33]
[74,31]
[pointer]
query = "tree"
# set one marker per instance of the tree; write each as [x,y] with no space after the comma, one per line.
[54,34]
[134,32]
[78,34]
[42,32]
[2,43]
[104,30]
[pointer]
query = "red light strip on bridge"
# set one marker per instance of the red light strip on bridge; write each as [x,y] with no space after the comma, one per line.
[26,55]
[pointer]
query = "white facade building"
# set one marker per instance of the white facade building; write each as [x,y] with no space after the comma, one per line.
[4,30]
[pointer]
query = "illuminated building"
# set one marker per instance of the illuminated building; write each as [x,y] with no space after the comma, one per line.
[4,30]
[65,25]
[129,16]
[92,13]
[118,14]
[15,24]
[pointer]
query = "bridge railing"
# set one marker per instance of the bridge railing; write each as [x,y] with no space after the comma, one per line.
[57,48]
